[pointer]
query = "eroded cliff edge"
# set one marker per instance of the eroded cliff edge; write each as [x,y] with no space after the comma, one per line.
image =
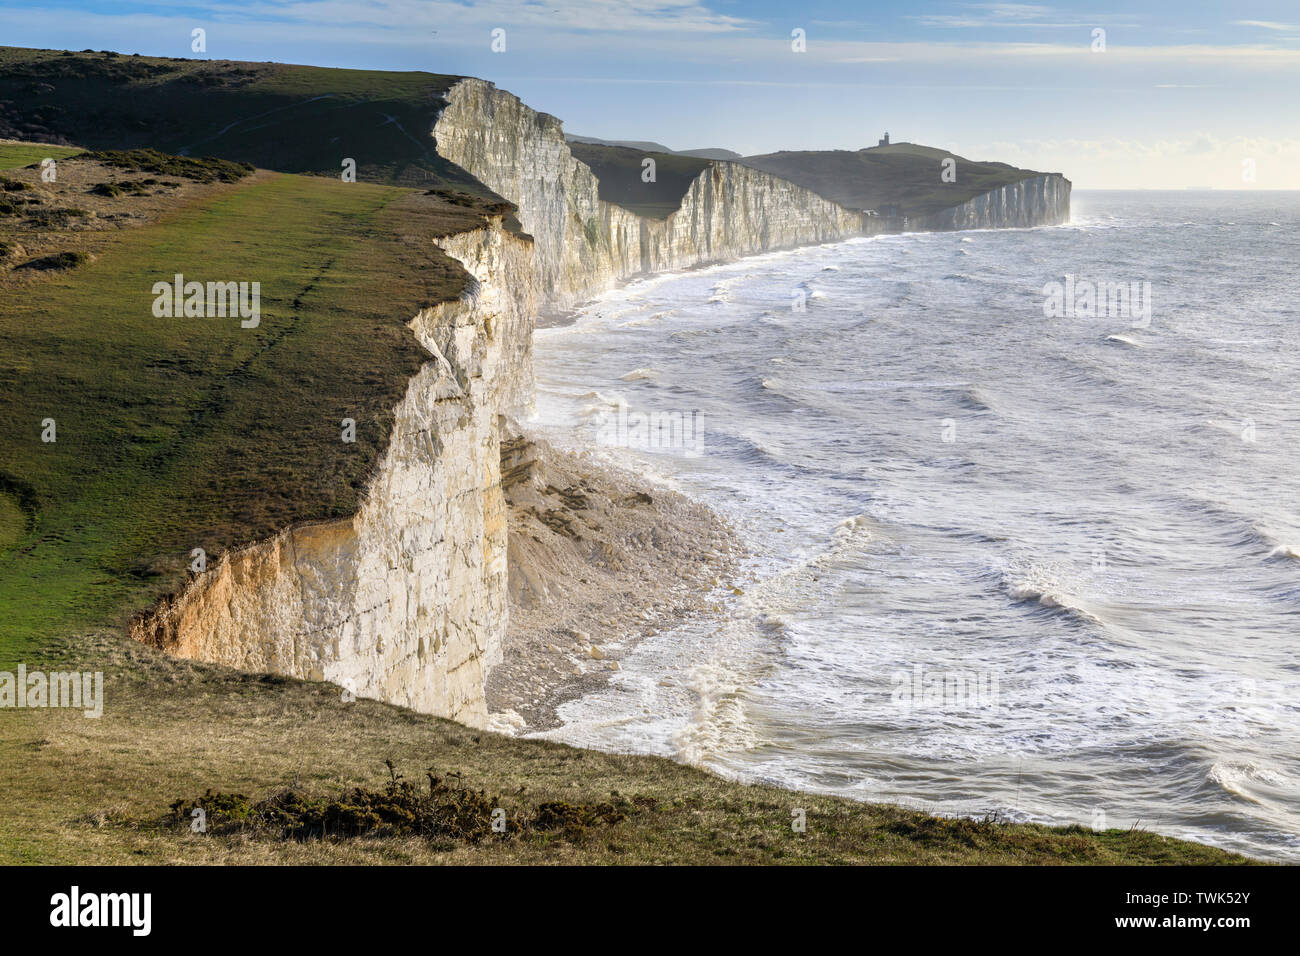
[405,601]
[1037,201]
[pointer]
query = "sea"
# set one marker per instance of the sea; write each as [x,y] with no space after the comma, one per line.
[1023,505]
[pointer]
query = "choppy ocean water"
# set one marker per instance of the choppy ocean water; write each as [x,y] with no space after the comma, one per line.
[1013,555]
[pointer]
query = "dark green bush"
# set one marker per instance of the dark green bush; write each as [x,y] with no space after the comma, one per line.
[58,260]
[205,170]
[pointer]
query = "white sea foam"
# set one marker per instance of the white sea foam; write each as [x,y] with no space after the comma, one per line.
[639,374]
[1249,779]
[1126,340]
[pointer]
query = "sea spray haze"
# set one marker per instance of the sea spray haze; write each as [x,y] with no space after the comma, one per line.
[1013,558]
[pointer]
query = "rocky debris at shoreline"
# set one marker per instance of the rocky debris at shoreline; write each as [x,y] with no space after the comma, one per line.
[599,559]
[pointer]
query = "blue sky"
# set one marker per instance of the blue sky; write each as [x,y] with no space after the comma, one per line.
[1183,94]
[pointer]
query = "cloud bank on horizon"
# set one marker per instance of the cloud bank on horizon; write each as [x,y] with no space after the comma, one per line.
[1113,94]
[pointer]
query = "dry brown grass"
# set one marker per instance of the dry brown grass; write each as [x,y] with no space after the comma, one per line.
[98,791]
[36,228]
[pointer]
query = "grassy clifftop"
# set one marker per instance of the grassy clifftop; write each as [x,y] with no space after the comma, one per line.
[619,171]
[902,179]
[15,154]
[903,175]
[708,152]
[297,119]
[130,439]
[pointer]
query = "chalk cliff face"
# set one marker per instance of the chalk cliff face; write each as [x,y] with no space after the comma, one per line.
[584,245]
[1037,201]
[406,600]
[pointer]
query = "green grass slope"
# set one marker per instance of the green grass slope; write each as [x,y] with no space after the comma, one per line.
[711,152]
[298,119]
[14,155]
[619,170]
[182,433]
[172,730]
[904,175]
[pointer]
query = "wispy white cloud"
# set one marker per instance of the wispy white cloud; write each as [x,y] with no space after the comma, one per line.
[600,16]
[1013,16]
[1013,11]
[690,30]
[1270,25]
[1241,54]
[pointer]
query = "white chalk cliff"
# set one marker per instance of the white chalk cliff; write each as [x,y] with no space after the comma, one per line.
[584,245]
[406,601]
[1037,201]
